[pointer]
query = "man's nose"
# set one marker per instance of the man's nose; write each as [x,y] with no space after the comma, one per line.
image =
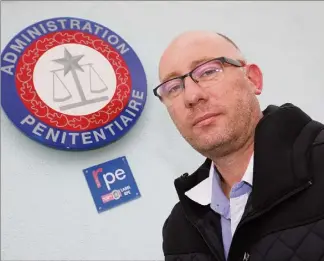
[193,93]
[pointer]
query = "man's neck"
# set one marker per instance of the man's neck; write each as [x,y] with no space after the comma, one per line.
[232,167]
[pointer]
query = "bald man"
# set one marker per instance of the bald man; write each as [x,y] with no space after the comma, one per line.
[259,195]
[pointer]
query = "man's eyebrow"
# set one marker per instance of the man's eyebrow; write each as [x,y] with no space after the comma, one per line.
[199,61]
[193,64]
[170,76]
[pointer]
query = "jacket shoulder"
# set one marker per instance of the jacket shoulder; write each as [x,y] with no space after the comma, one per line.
[318,153]
[175,218]
[319,140]
[318,148]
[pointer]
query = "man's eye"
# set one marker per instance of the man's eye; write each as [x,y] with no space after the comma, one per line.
[210,72]
[174,88]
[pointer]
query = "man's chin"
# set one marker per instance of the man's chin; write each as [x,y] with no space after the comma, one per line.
[207,145]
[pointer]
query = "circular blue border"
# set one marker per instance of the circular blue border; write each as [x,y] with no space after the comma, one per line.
[16,111]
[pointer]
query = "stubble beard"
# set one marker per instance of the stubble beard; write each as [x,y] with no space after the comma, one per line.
[219,142]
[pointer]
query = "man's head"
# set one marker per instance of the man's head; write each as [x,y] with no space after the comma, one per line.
[217,110]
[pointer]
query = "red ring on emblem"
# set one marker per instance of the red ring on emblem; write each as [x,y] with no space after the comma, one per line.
[30,98]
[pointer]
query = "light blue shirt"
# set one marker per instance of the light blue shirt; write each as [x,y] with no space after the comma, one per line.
[222,205]
[231,210]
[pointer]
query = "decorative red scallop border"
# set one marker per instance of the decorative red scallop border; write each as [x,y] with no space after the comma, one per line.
[30,98]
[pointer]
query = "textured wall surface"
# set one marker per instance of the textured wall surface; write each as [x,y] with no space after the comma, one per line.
[47,212]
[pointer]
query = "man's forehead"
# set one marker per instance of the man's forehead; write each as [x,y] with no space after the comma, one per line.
[190,49]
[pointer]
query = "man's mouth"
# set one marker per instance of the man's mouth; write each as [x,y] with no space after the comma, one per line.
[205,119]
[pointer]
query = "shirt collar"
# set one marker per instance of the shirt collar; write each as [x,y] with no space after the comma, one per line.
[248,175]
[202,192]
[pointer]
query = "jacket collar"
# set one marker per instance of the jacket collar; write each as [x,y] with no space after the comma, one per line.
[202,192]
[282,140]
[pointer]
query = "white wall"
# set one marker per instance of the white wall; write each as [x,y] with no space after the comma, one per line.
[47,212]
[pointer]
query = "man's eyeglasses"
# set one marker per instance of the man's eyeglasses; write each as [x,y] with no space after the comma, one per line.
[204,75]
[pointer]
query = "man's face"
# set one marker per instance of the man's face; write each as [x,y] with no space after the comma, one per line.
[217,116]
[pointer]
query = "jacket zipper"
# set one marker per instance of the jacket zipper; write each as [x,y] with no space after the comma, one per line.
[253,215]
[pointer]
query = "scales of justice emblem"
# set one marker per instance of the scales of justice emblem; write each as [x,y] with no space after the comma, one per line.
[72,89]
[61,90]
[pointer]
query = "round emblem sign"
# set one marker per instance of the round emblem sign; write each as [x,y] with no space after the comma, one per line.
[72,84]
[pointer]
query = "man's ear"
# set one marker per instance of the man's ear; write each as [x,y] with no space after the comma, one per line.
[254,75]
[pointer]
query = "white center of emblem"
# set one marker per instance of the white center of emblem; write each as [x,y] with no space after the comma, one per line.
[74,79]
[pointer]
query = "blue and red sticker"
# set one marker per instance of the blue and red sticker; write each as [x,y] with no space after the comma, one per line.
[72,84]
[111,184]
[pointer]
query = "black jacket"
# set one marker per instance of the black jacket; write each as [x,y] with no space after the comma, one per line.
[284,215]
